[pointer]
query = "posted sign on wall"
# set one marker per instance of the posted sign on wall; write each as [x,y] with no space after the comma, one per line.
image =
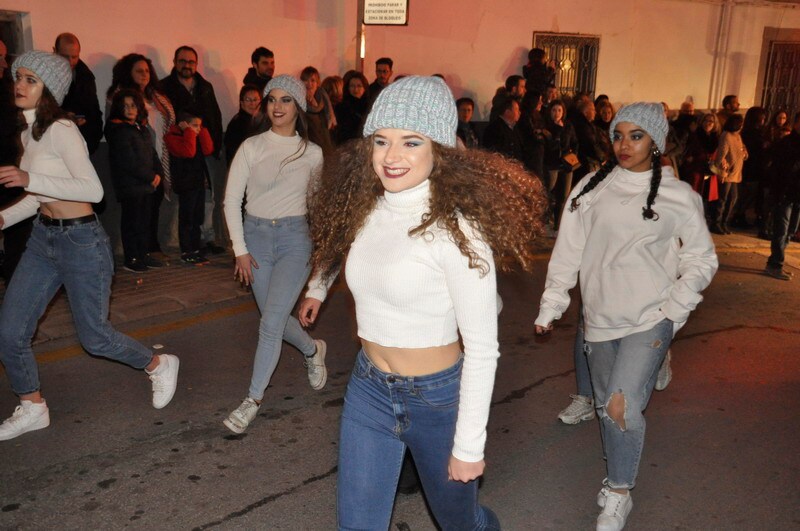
[386,12]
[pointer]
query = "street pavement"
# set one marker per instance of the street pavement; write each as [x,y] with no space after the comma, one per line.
[721,449]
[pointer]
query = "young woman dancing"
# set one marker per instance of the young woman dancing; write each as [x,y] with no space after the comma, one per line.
[421,224]
[272,247]
[638,237]
[68,246]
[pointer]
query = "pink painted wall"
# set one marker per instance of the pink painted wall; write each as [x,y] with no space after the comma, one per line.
[655,50]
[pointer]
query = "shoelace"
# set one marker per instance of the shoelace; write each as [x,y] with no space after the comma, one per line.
[17,415]
[613,504]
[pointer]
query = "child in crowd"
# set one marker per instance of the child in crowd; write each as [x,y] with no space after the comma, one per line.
[135,172]
[189,143]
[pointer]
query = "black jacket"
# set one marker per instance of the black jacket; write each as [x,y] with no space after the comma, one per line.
[786,169]
[82,101]
[350,117]
[241,127]
[133,159]
[9,138]
[203,102]
[591,151]
[502,139]
[561,142]
[252,78]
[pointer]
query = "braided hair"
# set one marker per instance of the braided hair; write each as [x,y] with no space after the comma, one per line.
[610,164]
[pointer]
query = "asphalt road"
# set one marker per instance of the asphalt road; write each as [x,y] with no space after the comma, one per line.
[721,449]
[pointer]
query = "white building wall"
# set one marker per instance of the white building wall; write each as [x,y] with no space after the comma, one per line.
[649,49]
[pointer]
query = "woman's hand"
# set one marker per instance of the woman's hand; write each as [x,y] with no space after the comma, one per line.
[156,181]
[11,176]
[309,309]
[542,330]
[458,470]
[243,270]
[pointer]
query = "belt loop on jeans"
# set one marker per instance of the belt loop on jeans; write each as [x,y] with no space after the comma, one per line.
[65,222]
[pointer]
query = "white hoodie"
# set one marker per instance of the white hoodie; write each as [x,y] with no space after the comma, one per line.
[634,272]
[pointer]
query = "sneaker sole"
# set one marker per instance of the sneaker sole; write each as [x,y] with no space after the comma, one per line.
[572,422]
[324,370]
[233,427]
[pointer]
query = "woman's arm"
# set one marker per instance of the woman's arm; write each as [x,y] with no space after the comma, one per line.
[234,196]
[25,207]
[697,263]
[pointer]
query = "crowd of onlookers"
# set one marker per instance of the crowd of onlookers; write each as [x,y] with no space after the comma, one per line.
[724,156]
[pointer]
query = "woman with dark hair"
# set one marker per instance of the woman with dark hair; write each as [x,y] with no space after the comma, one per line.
[533,132]
[638,239]
[135,71]
[605,113]
[562,141]
[779,126]
[351,113]
[730,158]
[68,246]
[423,226]
[274,170]
[248,121]
[320,115]
[135,172]
[701,147]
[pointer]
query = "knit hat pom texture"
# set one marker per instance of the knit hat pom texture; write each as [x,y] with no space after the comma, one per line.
[649,116]
[52,69]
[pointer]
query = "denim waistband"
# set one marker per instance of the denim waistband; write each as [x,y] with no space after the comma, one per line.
[368,370]
[287,221]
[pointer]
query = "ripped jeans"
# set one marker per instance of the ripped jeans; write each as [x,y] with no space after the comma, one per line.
[628,366]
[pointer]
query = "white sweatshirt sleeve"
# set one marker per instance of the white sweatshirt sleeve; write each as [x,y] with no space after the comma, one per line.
[22,209]
[697,264]
[564,266]
[475,304]
[82,184]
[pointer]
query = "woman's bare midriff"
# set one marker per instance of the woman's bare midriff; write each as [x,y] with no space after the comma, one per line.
[412,361]
[66,209]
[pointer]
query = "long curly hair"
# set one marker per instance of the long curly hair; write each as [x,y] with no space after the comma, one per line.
[502,201]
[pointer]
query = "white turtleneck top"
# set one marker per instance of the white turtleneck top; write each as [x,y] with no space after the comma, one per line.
[58,166]
[418,292]
[274,189]
[634,272]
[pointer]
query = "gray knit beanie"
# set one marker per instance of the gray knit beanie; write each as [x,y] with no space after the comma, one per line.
[52,69]
[290,84]
[648,116]
[421,104]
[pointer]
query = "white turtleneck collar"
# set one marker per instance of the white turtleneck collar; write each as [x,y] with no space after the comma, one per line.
[30,115]
[280,139]
[416,198]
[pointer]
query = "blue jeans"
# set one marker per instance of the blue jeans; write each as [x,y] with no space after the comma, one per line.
[582,378]
[627,366]
[281,248]
[79,257]
[385,413]
[784,224]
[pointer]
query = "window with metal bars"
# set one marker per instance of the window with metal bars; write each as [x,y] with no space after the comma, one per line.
[782,79]
[574,58]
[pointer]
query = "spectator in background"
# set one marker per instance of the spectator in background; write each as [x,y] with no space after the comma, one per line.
[514,88]
[81,100]
[591,149]
[778,125]
[383,75]
[246,123]
[730,106]
[786,193]
[754,137]
[562,141]
[189,142]
[532,130]
[701,148]
[135,71]
[189,91]
[263,61]
[320,115]
[538,74]
[730,158]
[500,135]
[466,129]
[551,94]
[135,172]
[351,113]
[334,88]
[605,113]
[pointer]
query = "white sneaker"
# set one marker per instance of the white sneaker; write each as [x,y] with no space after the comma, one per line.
[317,373]
[28,416]
[602,495]
[665,372]
[242,416]
[581,408]
[615,512]
[165,379]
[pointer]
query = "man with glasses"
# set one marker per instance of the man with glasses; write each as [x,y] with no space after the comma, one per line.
[189,91]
